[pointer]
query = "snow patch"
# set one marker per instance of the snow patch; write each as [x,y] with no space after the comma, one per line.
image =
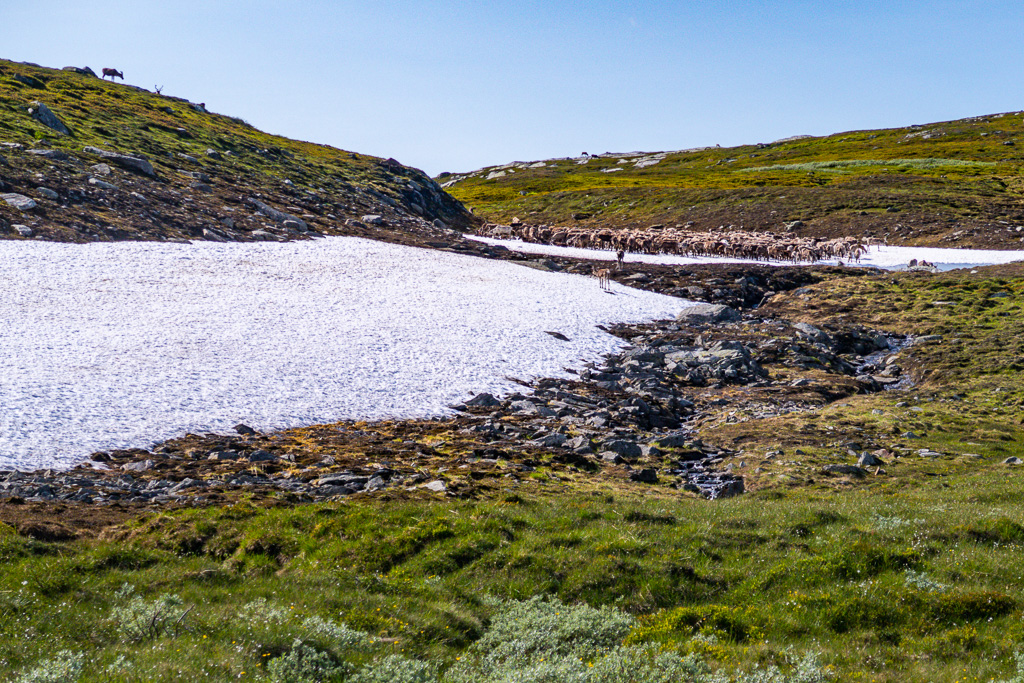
[888,258]
[117,345]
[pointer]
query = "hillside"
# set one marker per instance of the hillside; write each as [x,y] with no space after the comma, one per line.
[121,162]
[947,184]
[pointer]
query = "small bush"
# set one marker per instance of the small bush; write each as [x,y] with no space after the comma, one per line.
[139,619]
[923,582]
[64,667]
[335,636]
[303,664]
[1019,677]
[397,669]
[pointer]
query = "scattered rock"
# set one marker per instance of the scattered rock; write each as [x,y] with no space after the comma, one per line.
[19,201]
[373,220]
[869,460]
[41,113]
[483,400]
[645,476]
[705,314]
[627,449]
[132,163]
[437,486]
[101,184]
[275,215]
[51,154]
[139,466]
[224,455]
[47,193]
[926,339]
[84,71]
[851,470]
[23,230]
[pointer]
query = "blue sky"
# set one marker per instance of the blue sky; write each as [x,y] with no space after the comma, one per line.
[456,85]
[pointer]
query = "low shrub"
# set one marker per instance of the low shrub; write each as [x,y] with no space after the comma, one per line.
[303,664]
[138,619]
[64,667]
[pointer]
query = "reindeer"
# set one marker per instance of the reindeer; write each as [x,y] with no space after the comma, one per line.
[113,73]
[620,256]
[159,89]
[604,278]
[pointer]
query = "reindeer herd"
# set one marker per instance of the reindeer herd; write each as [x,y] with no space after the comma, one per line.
[758,246]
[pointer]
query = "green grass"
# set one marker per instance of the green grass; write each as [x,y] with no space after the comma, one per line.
[905,585]
[846,164]
[912,185]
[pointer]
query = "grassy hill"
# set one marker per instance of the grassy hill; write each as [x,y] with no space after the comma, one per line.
[955,183]
[535,562]
[205,171]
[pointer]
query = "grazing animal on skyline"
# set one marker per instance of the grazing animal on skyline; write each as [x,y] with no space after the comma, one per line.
[113,73]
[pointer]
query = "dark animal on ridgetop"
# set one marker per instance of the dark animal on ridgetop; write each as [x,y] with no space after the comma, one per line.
[112,73]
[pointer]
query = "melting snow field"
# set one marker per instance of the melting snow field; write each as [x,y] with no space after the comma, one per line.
[889,258]
[118,345]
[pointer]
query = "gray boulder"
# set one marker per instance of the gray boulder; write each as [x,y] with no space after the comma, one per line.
[551,441]
[627,449]
[677,440]
[645,476]
[869,460]
[261,456]
[47,193]
[373,220]
[276,215]
[851,470]
[224,455]
[579,443]
[101,184]
[51,154]
[705,314]
[84,71]
[23,230]
[41,113]
[813,334]
[19,201]
[132,163]
[140,466]
[483,400]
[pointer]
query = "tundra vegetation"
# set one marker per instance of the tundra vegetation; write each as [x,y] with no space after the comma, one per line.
[908,574]
[954,183]
[907,571]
